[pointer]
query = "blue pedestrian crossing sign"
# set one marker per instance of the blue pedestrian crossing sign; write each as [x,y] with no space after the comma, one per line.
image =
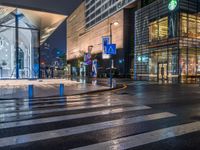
[111,49]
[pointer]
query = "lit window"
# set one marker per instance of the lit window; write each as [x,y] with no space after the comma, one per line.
[158,30]
[163,28]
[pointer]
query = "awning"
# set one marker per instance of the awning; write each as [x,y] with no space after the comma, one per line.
[46,22]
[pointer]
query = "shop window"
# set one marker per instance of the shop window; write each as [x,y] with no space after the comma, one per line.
[198,27]
[153,31]
[183,61]
[192,32]
[158,30]
[192,62]
[198,61]
[190,26]
[163,28]
[184,25]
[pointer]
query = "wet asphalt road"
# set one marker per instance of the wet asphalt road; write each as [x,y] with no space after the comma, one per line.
[144,116]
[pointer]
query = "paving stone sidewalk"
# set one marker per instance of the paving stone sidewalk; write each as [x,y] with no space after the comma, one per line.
[12,89]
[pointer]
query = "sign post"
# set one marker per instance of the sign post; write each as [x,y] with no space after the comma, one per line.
[111,50]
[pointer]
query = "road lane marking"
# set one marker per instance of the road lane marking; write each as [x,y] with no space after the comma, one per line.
[22,139]
[70,117]
[3,116]
[145,138]
[26,106]
[48,100]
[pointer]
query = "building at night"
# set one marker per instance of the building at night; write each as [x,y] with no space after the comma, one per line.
[93,21]
[167,44]
[98,10]
[161,37]
[22,31]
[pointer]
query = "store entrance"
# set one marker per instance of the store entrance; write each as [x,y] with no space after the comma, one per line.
[162,72]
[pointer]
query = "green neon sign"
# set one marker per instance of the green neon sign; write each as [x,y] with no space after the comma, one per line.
[172,5]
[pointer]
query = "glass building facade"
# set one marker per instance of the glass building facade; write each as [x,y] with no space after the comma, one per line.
[19,45]
[22,31]
[98,10]
[167,41]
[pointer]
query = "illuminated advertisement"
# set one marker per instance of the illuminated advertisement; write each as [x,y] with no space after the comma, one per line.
[87,59]
[105,42]
[198,67]
[94,68]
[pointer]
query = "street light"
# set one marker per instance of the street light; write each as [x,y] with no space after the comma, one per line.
[112,61]
[111,24]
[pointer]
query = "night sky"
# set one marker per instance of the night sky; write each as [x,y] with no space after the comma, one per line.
[59,6]
[66,7]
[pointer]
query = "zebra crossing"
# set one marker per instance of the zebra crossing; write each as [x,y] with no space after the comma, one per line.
[85,122]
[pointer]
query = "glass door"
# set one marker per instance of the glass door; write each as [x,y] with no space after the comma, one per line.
[162,72]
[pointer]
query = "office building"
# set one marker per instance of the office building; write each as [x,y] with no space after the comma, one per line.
[93,21]
[167,44]
[161,37]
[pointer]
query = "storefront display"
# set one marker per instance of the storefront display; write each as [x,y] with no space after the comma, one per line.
[170,37]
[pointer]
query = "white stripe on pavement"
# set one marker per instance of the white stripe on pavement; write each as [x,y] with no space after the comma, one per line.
[145,138]
[70,117]
[48,100]
[21,139]
[27,106]
[3,116]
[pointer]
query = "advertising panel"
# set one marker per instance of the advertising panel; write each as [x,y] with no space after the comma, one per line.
[105,42]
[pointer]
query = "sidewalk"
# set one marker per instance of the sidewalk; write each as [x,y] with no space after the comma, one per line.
[18,89]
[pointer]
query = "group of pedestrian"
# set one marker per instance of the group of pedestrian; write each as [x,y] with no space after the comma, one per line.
[49,72]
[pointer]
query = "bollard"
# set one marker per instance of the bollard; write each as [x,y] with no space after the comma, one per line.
[30,91]
[62,89]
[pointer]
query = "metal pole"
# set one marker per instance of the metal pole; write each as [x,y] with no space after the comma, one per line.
[39,56]
[1,72]
[30,91]
[62,89]
[111,63]
[17,45]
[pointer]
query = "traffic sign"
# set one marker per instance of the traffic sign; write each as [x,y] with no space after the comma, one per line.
[111,49]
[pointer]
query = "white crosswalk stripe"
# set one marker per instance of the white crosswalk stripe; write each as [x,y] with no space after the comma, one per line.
[84,115]
[37,112]
[78,130]
[5,108]
[53,99]
[145,138]
[70,117]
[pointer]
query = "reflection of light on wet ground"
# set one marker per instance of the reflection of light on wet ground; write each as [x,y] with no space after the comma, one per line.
[70,117]
[37,112]
[3,116]
[35,82]
[74,130]
[19,88]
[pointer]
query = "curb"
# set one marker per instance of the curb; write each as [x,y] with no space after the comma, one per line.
[122,86]
[119,87]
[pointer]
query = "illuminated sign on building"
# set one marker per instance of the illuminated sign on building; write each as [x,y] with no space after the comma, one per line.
[172,5]
[105,41]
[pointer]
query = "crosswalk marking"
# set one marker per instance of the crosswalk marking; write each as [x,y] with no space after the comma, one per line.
[37,112]
[26,106]
[70,117]
[67,120]
[21,139]
[145,138]
[47,99]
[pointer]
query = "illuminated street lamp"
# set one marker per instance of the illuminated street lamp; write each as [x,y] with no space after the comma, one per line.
[115,24]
